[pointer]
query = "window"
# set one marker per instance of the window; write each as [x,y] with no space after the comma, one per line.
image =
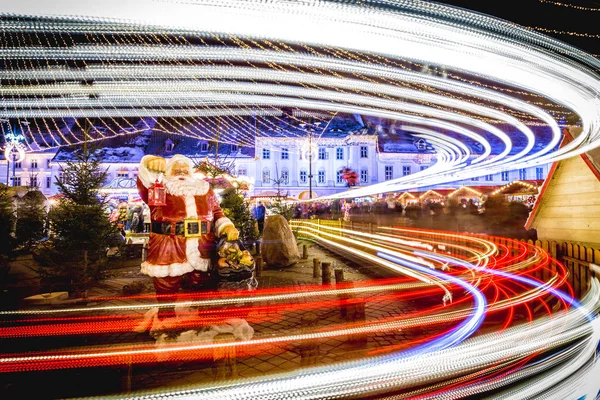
[34,164]
[285,155]
[285,177]
[406,170]
[33,182]
[322,153]
[321,177]
[522,174]
[266,176]
[339,153]
[242,172]
[18,164]
[234,148]
[423,167]
[489,177]
[505,176]
[48,164]
[204,146]
[389,172]
[364,176]
[539,173]
[17,181]
[364,151]
[169,145]
[266,154]
[122,174]
[339,177]
[302,176]
[475,178]
[61,176]
[48,182]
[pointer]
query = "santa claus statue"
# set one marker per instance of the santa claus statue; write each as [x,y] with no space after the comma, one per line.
[184,231]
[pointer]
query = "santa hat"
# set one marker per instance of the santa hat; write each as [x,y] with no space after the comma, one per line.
[176,159]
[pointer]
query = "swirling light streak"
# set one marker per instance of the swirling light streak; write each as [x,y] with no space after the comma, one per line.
[489,48]
[393,373]
[375,374]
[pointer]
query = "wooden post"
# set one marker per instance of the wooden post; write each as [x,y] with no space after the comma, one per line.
[326,273]
[224,358]
[259,266]
[309,349]
[304,252]
[126,378]
[356,313]
[343,297]
[144,251]
[316,267]
[339,275]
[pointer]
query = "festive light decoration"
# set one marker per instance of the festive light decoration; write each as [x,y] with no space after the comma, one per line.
[512,78]
[430,192]
[513,183]
[569,5]
[14,145]
[467,189]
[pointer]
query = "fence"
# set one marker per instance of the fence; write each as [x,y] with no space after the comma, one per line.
[582,263]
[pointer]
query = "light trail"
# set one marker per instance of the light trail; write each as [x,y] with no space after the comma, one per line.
[367,63]
[390,368]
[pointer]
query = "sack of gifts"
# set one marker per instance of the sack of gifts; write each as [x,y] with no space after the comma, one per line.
[234,262]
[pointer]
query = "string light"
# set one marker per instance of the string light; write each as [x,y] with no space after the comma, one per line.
[521,183]
[569,5]
[465,188]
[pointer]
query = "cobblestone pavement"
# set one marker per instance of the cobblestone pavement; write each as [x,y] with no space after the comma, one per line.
[276,359]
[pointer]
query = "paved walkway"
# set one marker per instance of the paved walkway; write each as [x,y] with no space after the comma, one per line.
[276,359]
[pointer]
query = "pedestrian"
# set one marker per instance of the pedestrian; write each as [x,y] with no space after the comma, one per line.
[259,215]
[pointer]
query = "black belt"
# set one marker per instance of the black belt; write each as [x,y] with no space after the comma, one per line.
[188,228]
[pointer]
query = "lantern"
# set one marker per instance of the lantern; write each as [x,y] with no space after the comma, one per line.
[157,195]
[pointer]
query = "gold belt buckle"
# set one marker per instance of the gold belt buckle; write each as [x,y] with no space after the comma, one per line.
[192,227]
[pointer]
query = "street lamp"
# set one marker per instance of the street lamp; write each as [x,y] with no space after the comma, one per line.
[14,148]
[309,127]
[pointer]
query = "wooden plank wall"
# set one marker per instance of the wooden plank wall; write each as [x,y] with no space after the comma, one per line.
[570,207]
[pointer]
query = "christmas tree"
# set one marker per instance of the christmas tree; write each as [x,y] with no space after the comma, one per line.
[79,223]
[237,210]
[31,219]
[7,221]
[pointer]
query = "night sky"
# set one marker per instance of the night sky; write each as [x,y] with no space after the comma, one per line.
[542,14]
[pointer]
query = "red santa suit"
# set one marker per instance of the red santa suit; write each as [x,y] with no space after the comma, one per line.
[170,253]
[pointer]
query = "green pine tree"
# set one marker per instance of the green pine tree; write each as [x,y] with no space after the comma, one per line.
[79,224]
[7,221]
[31,219]
[237,210]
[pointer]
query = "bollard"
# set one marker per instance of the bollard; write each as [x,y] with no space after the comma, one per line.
[258,267]
[224,358]
[316,267]
[144,252]
[344,298]
[309,349]
[326,273]
[126,378]
[304,252]
[339,275]
[356,314]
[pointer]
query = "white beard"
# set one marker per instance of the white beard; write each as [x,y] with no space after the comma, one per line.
[188,186]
